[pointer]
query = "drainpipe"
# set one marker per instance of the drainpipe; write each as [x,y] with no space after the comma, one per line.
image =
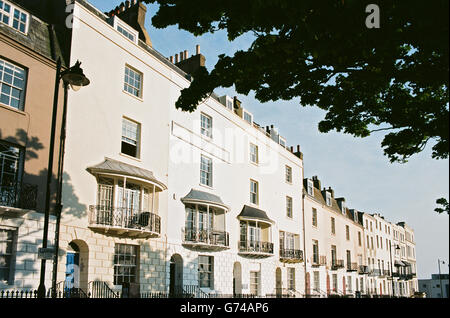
[304,235]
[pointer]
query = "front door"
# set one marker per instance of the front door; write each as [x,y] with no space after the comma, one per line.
[278,283]
[72,281]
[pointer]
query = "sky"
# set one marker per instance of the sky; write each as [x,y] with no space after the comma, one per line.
[355,168]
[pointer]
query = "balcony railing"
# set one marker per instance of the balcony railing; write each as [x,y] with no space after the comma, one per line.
[375,272]
[255,248]
[318,260]
[352,267]
[23,196]
[291,256]
[337,263]
[209,239]
[124,221]
[363,269]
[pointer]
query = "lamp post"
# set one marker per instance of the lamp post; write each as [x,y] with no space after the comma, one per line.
[392,270]
[440,281]
[75,78]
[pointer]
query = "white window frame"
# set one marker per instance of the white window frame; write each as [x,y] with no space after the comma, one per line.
[254,192]
[206,124]
[288,174]
[246,113]
[128,265]
[129,82]
[254,153]
[289,207]
[206,267]
[10,241]
[310,187]
[129,139]
[328,198]
[14,84]
[206,175]
[12,17]
[120,24]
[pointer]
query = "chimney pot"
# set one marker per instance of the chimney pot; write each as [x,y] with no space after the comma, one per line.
[197,49]
[181,56]
[176,58]
[171,59]
[186,54]
[298,148]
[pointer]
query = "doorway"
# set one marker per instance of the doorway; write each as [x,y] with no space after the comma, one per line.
[176,276]
[278,283]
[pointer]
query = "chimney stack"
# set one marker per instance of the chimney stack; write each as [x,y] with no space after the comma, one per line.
[191,64]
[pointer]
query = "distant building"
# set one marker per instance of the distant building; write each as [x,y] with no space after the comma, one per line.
[435,287]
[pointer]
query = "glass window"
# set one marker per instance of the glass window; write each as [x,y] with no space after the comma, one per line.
[12,85]
[328,197]
[315,252]
[133,81]
[253,192]
[6,254]
[289,207]
[310,187]
[333,226]
[314,217]
[206,171]
[206,125]
[288,174]
[126,33]
[347,232]
[125,264]
[131,132]
[248,117]
[205,271]
[254,153]
[316,281]
[13,16]
[11,162]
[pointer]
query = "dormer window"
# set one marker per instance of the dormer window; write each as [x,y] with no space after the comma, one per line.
[283,142]
[13,16]
[328,197]
[343,207]
[355,216]
[248,117]
[125,30]
[310,187]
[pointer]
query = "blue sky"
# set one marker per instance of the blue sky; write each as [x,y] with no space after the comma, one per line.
[355,168]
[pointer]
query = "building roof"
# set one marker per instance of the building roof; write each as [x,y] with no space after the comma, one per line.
[117,167]
[197,196]
[249,212]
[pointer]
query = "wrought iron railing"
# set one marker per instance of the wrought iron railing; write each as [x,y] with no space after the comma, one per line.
[352,267]
[209,237]
[124,218]
[337,263]
[22,196]
[375,272]
[255,247]
[363,269]
[100,289]
[291,254]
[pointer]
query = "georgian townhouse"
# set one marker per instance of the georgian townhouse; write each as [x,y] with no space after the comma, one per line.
[160,200]
[334,243]
[28,61]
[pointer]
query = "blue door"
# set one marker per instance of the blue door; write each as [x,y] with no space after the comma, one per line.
[72,273]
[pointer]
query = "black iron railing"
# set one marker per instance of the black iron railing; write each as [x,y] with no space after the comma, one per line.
[23,196]
[100,289]
[352,267]
[363,269]
[291,254]
[208,237]
[337,263]
[255,247]
[124,218]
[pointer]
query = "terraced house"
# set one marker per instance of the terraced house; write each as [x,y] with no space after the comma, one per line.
[156,200]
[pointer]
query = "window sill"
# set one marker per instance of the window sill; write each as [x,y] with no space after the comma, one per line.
[10,108]
[130,157]
[206,186]
[134,96]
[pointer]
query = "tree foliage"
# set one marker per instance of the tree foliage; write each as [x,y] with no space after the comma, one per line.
[444,206]
[393,78]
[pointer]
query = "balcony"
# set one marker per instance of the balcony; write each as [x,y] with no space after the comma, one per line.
[255,249]
[205,239]
[375,272]
[318,261]
[15,199]
[291,256]
[352,267]
[386,272]
[336,264]
[124,222]
[363,269]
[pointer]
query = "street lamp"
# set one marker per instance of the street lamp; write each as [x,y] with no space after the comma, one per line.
[392,270]
[75,78]
[440,281]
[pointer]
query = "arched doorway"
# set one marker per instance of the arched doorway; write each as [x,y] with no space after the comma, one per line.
[77,264]
[278,282]
[176,276]
[237,279]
